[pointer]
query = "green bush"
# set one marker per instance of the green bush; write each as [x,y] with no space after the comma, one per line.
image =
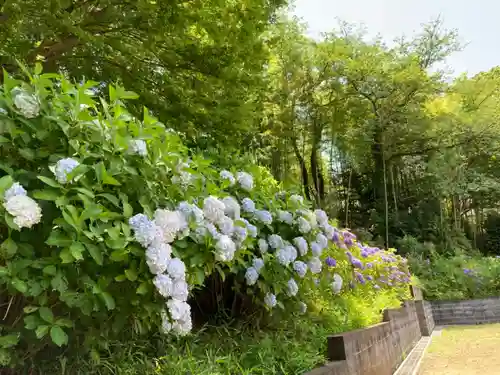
[457,277]
[108,225]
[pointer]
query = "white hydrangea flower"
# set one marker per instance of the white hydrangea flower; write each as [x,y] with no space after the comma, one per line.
[258,264]
[311,218]
[275,241]
[270,300]
[163,284]
[138,147]
[304,226]
[263,246]
[286,255]
[245,180]
[226,225]
[183,326]
[63,167]
[157,257]
[300,267]
[231,207]
[302,307]
[191,212]
[225,249]
[337,283]
[292,288]
[176,269]
[329,231]
[184,179]
[212,230]
[301,244]
[315,265]
[226,175]
[264,216]
[251,276]
[178,309]
[316,249]
[292,252]
[321,216]
[213,209]
[297,199]
[285,217]
[3,111]
[146,232]
[322,240]
[248,205]
[170,222]
[26,211]
[15,189]
[28,104]
[180,290]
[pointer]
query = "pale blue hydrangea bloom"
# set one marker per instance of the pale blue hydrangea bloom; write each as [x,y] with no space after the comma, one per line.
[146,232]
[258,264]
[63,167]
[270,300]
[178,309]
[157,257]
[264,216]
[245,180]
[176,269]
[315,265]
[180,290]
[285,217]
[28,104]
[286,255]
[171,223]
[329,231]
[240,233]
[301,244]
[191,212]
[248,205]
[213,209]
[184,179]
[292,288]
[138,147]
[300,267]
[225,249]
[3,111]
[322,240]
[226,175]
[337,283]
[251,276]
[316,249]
[226,225]
[304,226]
[252,230]
[321,216]
[231,207]
[275,241]
[263,246]
[15,189]
[163,284]
[212,230]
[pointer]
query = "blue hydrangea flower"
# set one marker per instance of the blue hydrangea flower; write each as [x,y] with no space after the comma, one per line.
[248,205]
[264,216]
[63,167]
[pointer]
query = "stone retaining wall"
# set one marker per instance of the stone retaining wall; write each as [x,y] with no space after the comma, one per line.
[478,311]
[376,350]
[425,317]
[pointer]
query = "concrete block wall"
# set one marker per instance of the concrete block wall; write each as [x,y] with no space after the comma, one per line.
[425,317]
[478,311]
[376,350]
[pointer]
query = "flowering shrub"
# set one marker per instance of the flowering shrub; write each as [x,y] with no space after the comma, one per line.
[457,277]
[107,224]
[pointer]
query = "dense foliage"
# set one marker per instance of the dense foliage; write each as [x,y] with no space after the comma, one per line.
[108,226]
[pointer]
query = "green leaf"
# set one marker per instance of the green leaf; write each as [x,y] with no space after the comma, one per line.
[49,182]
[50,270]
[58,336]
[64,323]
[59,239]
[46,194]
[20,285]
[27,153]
[66,256]
[91,212]
[127,210]
[5,183]
[131,274]
[8,341]
[108,300]
[143,288]
[111,198]
[4,271]
[9,248]
[30,309]
[41,331]
[46,314]
[76,250]
[10,222]
[86,192]
[200,276]
[38,68]
[59,283]
[120,278]
[95,253]
[31,322]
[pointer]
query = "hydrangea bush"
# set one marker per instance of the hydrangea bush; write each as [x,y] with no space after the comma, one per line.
[108,225]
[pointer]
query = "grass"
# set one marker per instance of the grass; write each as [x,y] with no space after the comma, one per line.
[467,350]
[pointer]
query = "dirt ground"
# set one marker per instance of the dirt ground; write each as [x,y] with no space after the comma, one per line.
[471,350]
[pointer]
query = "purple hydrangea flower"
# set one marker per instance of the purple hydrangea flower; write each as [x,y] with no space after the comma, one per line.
[330,262]
[360,277]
